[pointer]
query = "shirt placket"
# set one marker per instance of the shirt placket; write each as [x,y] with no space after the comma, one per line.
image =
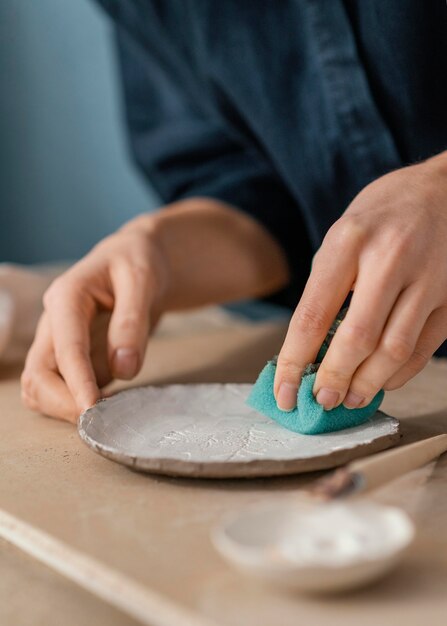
[366,139]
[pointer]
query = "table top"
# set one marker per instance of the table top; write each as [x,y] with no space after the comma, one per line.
[156,530]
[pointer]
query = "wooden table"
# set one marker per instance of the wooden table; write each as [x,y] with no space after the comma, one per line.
[156,530]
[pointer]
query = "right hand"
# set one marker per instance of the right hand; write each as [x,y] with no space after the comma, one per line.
[96,322]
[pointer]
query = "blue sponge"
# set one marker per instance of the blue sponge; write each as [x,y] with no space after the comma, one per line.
[309,417]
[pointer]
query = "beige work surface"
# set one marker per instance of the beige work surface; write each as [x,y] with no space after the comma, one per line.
[156,530]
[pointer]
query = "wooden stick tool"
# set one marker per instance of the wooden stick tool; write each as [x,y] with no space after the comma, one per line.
[116,589]
[376,470]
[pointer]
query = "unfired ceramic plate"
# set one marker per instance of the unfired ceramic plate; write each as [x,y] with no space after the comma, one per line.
[207,430]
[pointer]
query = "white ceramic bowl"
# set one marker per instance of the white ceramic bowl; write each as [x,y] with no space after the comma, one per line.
[270,542]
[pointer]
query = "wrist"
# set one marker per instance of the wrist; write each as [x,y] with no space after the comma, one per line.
[212,253]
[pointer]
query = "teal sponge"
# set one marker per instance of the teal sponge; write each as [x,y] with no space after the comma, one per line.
[309,417]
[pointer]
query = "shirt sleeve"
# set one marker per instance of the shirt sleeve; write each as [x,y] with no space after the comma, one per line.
[183,152]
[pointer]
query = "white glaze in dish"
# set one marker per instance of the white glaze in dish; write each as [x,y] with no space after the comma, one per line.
[315,548]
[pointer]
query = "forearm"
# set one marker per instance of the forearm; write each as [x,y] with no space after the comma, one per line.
[213,253]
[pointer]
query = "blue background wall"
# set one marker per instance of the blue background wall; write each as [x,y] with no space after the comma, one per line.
[65,176]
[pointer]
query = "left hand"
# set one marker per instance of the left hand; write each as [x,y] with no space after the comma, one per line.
[391,245]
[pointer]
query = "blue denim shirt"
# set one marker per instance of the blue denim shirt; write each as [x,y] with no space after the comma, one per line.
[284,108]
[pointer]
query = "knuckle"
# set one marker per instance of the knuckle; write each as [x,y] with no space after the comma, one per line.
[135,268]
[79,349]
[70,415]
[413,366]
[290,369]
[28,391]
[27,383]
[76,351]
[397,245]
[138,259]
[364,387]
[60,288]
[334,378]
[393,384]
[102,245]
[348,231]
[106,245]
[397,348]
[50,295]
[357,336]
[129,322]
[417,361]
[29,402]
[310,319]
[139,271]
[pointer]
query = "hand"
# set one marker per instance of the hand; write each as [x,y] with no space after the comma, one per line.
[98,315]
[390,248]
[96,321]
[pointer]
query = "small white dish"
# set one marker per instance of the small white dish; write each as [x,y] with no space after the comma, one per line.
[315,548]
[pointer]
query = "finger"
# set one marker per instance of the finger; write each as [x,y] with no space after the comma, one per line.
[43,389]
[396,345]
[359,333]
[432,336]
[50,396]
[129,324]
[70,312]
[99,347]
[333,273]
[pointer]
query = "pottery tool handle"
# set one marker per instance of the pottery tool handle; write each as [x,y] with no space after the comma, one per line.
[379,469]
[142,604]
[386,466]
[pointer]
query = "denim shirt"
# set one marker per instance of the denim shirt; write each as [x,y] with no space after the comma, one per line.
[285,109]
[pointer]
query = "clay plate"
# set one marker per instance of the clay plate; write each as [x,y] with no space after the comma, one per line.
[208,431]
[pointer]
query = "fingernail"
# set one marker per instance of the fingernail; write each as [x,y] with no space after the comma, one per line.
[125,362]
[353,400]
[286,398]
[327,398]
